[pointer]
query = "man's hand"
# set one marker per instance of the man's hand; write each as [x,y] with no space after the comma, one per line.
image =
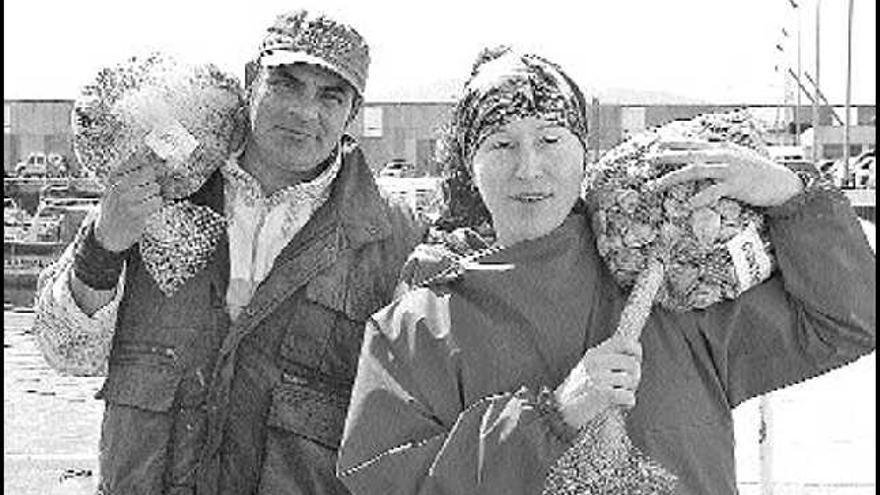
[131,197]
[607,375]
[739,173]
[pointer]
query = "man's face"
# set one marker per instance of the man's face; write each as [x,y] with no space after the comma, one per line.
[298,113]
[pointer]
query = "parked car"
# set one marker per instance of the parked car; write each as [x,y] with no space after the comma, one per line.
[423,194]
[802,166]
[57,165]
[70,191]
[396,168]
[39,164]
[35,165]
[785,153]
[862,171]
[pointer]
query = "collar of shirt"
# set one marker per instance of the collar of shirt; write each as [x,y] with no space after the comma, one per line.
[261,226]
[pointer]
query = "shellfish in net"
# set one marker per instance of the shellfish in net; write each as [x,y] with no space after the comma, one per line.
[182,117]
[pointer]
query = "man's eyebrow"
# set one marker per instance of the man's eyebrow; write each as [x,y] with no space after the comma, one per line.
[279,72]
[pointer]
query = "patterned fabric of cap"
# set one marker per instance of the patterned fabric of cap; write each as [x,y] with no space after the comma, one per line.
[336,44]
[514,86]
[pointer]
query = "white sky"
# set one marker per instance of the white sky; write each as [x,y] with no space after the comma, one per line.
[720,51]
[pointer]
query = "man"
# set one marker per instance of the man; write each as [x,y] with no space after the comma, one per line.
[239,382]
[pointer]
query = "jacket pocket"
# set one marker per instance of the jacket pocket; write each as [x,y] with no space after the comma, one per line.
[331,324]
[314,412]
[142,376]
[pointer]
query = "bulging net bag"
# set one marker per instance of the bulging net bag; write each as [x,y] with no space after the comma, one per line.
[711,253]
[185,114]
[665,252]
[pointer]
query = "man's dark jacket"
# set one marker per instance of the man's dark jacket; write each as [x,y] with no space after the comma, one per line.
[256,405]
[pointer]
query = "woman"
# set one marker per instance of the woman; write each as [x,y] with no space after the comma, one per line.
[476,380]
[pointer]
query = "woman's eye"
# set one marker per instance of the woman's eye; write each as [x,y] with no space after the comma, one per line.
[333,97]
[550,139]
[500,145]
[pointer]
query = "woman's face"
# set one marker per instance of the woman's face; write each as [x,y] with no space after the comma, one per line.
[529,174]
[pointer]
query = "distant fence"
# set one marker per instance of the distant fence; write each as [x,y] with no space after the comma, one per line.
[754,488]
[421,193]
[36,183]
[26,192]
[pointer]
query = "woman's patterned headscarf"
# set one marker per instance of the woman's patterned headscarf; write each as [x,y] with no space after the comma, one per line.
[504,86]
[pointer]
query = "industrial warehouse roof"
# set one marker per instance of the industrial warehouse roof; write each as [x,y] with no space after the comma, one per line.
[37,100]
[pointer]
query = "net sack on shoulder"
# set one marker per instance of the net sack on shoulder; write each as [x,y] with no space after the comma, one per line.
[663,252]
[189,116]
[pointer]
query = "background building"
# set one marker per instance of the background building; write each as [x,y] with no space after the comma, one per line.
[36,126]
[392,131]
[408,131]
[829,140]
[401,131]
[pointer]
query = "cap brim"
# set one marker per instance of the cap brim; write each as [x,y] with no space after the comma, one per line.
[288,57]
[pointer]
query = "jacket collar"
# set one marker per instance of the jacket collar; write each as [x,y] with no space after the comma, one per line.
[355,204]
[211,193]
[360,209]
[355,209]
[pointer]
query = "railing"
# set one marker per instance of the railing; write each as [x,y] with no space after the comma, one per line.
[862,197]
[754,488]
[21,248]
[36,183]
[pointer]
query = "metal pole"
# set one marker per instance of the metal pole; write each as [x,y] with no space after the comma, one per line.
[781,69]
[765,444]
[849,18]
[822,99]
[815,151]
[786,120]
[801,85]
[797,108]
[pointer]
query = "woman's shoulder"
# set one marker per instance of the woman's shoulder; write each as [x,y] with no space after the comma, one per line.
[423,282]
[441,258]
[426,280]
[421,310]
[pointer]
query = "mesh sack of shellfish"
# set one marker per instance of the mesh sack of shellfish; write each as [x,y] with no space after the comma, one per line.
[710,253]
[181,116]
[665,252]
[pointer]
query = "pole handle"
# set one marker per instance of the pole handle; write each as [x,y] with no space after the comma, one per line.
[639,303]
